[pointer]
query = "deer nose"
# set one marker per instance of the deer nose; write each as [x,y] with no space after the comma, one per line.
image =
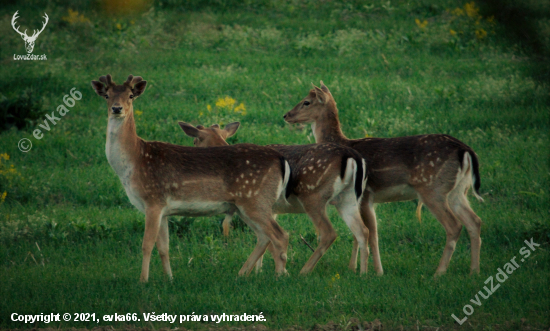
[285,115]
[116,110]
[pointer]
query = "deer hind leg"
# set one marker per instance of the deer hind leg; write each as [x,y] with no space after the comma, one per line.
[439,206]
[259,263]
[472,222]
[163,246]
[349,211]
[317,211]
[369,218]
[153,217]
[267,230]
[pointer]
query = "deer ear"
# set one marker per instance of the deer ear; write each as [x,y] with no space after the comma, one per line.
[189,130]
[231,128]
[321,96]
[139,88]
[324,88]
[99,88]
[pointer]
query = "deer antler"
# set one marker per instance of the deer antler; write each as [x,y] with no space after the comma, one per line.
[131,81]
[36,34]
[14,18]
[107,80]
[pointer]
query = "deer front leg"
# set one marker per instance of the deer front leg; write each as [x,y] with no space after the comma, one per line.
[315,208]
[227,224]
[163,246]
[354,251]
[152,226]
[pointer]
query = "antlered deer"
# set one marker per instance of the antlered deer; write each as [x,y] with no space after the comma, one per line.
[321,174]
[163,179]
[435,168]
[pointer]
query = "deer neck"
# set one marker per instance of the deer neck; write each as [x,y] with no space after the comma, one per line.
[122,147]
[326,128]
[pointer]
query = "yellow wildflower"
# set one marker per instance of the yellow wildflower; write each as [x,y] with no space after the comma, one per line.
[138,112]
[471,9]
[118,26]
[480,34]
[240,108]
[227,102]
[209,108]
[457,12]
[201,114]
[453,32]
[420,24]
[74,17]
[5,156]
[3,197]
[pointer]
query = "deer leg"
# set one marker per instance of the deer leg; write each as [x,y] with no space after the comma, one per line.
[472,222]
[369,218]
[354,252]
[266,229]
[439,206]
[163,246]
[317,212]
[270,249]
[349,212]
[227,224]
[152,226]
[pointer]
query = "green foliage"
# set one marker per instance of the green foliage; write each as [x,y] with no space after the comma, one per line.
[22,111]
[70,241]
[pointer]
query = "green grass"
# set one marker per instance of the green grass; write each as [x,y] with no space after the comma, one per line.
[390,78]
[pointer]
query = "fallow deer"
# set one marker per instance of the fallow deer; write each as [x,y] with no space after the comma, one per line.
[321,174]
[163,179]
[437,169]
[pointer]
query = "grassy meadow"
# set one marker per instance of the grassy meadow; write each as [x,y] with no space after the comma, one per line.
[70,241]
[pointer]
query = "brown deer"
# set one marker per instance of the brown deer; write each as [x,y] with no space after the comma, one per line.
[163,179]
[321,174]
[437,169]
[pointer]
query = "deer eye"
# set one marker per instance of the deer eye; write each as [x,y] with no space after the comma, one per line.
[131,96]
[106,97]
[306,103]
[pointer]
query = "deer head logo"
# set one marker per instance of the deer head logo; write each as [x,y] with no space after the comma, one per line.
[29,41]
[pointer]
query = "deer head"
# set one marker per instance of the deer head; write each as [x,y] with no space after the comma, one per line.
[119,97]
[318,103]
[29,41]
[212,136]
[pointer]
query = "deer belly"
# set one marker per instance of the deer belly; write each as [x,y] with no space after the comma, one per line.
[294,206]
[196,208]
[395,193]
